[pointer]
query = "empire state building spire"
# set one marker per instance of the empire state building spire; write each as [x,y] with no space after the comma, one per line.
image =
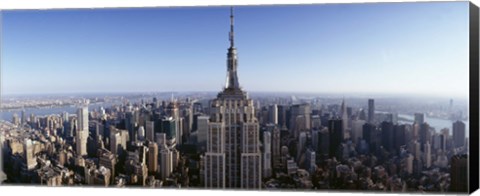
[232,78]
[231,28]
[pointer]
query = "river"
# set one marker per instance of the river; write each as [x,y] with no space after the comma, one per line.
[436,123]
[8,115]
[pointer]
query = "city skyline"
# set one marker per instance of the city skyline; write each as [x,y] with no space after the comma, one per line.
[385,52]
[233,141]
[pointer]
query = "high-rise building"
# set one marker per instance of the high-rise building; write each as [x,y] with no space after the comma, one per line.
[399,132]
[173,111]
[443,139]
[387,135]
[370,136]
[391,117]
[107,160]
[276,147]
[170,130]
[267,154]
[357,130]
[310,159]
[314,139]
[344,116]
[425,135]
[141,133]
[362,115]
[323,147]
[371,110]
[300,118]
[31,160]
[24,118]
[15,119]
[301,145]
[409,163]
[273,114]
[150,130]
[202,129]
[282,115]
[82,130]
[152,157]
[459,173]
[316,122]
[458,133]
[335,128]
[419,118]
[427,159]
[215,156]
[415,149]
[233,113]
[118,141]
[166,156]
[130,125]
[3,177]
[189,118]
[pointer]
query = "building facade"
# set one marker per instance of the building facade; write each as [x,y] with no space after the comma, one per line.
[82,130]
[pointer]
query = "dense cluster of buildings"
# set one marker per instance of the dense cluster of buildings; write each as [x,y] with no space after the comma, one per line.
[233,141]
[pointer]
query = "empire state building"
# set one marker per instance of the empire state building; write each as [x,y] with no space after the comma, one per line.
[233,158]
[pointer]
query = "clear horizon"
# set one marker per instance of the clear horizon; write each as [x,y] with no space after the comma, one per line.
[381,48]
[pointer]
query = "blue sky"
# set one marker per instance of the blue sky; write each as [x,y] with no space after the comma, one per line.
[412,48]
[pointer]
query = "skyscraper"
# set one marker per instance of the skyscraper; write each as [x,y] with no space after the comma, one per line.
[370,136]
[30,158]
[282,115]
[215,156]
[202,129]
[2,174]
[387,135]
[166,157]
[273,114]
[169,128]
[425,135]
[301,145]
[152,157]
[323,147]
[458,134]
[427,159]
[276,147]
[15,119]
[118,141]
[357,130]
[141,133]
[232,113]
[130,126]
[267,154]
[344,116]
[173,111]
[150,130]
[459,173]
[419,118]
[107,160]
[300,118]
[371,111]
[335,128]
[82,130]
[399,132]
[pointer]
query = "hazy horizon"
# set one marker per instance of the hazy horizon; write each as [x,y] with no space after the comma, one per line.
[283,93]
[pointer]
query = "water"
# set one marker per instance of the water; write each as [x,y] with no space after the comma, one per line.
[436,123]
[8,115]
